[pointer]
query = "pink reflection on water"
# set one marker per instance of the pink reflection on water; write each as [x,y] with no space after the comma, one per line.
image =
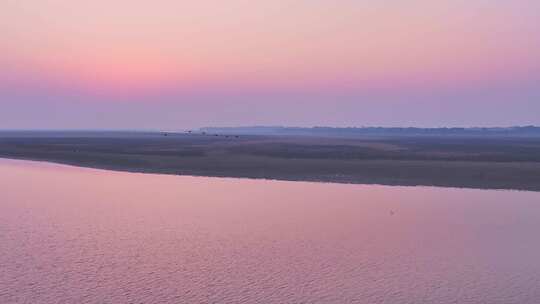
[92,236]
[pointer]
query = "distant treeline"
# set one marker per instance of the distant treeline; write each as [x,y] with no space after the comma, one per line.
[528,131]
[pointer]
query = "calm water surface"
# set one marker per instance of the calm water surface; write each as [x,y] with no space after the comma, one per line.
[73,235]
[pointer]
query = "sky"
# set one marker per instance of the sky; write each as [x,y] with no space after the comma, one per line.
[177,64]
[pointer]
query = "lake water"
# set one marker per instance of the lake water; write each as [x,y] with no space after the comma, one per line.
[74,235]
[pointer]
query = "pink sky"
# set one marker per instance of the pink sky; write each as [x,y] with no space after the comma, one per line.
[177,64]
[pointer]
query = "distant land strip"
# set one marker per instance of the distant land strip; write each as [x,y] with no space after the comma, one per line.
[533,131]
[485,162]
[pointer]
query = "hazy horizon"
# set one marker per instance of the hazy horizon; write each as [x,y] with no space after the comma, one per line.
[252,126]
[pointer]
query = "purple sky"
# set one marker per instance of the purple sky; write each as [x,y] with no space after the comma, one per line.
[167,64]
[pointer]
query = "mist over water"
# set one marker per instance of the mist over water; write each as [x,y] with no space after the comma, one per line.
[74,235]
